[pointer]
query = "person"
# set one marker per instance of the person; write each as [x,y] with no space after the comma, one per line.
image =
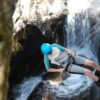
[68,60]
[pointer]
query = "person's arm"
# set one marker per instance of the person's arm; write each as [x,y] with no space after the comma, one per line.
[47,65]
[55,70]
[46,61]
[70,52]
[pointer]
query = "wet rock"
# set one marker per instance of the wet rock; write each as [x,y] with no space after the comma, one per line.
[76,89]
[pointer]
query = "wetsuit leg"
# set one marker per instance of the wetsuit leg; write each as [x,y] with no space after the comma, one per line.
[82,62]
[79,60]
[75,69]
[89,64]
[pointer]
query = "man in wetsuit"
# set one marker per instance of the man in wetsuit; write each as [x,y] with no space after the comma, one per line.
[67,60]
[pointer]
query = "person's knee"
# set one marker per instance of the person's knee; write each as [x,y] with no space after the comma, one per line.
[90,63]
[93,64]
[79,59]
[88,72]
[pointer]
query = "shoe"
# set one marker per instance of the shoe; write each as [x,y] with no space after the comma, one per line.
[97,73]
[97,83]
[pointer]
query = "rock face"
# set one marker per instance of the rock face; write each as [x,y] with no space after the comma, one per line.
[39,22]
[34,11]
[27,61]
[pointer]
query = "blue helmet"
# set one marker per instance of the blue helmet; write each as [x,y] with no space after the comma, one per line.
[46,48]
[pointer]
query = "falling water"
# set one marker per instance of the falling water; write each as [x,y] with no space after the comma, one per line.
[23,91]
[77,37]
[77,22]
[77,28]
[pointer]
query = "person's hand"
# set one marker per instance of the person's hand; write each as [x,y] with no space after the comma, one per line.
[72,53]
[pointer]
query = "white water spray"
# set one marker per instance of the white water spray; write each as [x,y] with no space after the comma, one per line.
[77,22]
[77,27]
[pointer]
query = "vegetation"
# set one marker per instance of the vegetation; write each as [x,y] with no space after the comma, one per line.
[6,10]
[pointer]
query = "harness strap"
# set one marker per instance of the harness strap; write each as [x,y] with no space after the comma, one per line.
[66,68]
[71,60]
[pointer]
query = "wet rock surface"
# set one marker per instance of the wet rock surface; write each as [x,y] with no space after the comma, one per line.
[72,88]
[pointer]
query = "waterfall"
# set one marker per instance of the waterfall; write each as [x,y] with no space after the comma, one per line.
[24,90]
[77,23]
[77,28]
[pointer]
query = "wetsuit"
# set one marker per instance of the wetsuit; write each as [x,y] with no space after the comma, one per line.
[74,64]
